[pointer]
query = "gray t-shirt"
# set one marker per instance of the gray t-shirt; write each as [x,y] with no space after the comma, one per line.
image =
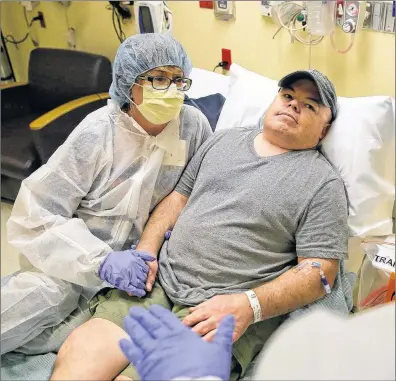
[248,218]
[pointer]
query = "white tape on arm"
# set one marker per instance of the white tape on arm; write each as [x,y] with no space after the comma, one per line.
[255,304]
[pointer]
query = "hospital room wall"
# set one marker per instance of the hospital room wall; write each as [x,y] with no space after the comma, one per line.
[368,69]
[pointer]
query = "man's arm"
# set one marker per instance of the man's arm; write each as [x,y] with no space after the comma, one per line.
[295,288]
[322,237]
[162,219]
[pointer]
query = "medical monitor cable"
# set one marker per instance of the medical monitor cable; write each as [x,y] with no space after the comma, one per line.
[29,25]
[119,32]
[11,39]
[334,45]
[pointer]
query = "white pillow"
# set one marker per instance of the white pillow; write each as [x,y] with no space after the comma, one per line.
[360,144]
[248,98]
[206,82]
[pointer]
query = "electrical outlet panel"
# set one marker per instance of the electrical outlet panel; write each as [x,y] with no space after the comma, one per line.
[224,10]
[266,8]
[30,5]
[226,56]
[389,18]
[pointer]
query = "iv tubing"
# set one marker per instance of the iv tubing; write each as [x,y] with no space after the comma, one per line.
[333,44]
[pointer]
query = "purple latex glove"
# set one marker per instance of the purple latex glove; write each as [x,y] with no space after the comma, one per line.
[163,348]
[126,270]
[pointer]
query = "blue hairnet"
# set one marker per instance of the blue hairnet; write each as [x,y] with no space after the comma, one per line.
[141,53]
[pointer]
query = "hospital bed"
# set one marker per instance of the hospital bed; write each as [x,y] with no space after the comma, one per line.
[360,145]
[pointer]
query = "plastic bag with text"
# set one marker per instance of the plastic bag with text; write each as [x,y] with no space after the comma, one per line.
[377,274]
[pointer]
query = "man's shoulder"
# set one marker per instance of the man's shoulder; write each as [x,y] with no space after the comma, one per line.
[317,173]
[327,168]
[320,166]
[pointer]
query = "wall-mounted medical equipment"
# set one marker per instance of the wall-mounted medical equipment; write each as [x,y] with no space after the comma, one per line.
[384,16]
[310,21]
[225,10]
[376,23]
[353,16]
[389,17]
[293,16]
[380,16]
[153,17]
[354,12]
[321,17]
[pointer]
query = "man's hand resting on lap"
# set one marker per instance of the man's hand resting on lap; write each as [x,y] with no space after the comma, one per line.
[205,318]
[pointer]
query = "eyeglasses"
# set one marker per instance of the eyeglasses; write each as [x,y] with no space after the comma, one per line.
[163,83]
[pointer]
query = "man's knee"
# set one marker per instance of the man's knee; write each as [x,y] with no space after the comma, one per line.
[74,343]
[91,350]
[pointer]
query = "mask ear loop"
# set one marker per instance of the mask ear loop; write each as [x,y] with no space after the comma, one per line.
[130,99]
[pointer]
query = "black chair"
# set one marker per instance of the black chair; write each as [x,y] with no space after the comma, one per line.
[64,86]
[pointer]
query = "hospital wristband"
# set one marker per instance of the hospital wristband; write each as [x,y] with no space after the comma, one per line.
[255,304]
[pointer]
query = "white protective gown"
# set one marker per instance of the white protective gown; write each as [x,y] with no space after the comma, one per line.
[321,345]
[92,197]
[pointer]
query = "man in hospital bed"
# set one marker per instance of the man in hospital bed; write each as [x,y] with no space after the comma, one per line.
[251,204]
[93,197]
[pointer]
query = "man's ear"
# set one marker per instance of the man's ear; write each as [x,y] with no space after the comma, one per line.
[325,130]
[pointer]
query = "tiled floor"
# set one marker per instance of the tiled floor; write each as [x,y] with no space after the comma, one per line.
[9,255]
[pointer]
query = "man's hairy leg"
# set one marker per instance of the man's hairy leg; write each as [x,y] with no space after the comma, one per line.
[91,352]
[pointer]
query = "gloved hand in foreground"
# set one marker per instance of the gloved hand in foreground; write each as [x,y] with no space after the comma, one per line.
[163,348]
[126,270]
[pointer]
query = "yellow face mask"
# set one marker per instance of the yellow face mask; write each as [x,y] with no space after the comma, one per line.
[161,106]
